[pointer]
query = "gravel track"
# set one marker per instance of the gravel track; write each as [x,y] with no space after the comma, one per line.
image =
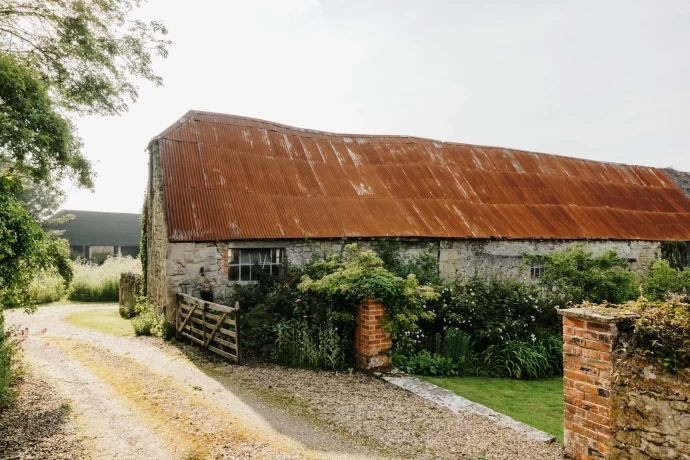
[140,397]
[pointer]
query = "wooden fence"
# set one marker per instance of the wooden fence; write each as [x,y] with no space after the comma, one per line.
[213,326]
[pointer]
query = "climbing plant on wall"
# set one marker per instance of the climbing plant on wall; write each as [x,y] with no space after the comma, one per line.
[143,247]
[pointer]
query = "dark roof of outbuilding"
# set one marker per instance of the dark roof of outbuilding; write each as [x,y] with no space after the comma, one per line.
[90,228]
[227,177]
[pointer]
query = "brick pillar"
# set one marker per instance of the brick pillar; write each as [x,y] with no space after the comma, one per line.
[371,342]
[589,340]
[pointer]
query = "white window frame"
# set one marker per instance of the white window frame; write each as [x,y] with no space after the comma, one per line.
[274,254]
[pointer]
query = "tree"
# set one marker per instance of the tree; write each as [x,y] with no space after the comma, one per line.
[87,50]
[58,57]
[36,142]
[25,249]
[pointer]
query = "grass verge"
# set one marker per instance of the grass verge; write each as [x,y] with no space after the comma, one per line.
[102,320]
[538,403]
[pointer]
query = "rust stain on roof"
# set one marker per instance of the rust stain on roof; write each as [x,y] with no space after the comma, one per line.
[227,177]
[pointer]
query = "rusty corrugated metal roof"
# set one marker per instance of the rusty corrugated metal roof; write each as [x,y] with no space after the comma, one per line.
[227,177]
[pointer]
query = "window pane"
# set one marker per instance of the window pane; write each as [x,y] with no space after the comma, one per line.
[277,270]
[264,257]
[246,256]
[245,273]
[278,256]
[234,273]
[233,256]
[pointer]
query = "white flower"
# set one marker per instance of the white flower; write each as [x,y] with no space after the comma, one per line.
[534,339]
[532,318]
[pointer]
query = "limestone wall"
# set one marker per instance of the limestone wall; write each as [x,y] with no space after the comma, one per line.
[650,410]
[457,258]
[157,237]
[185,260]
[461,258]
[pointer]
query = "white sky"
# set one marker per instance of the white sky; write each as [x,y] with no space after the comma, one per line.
[601,80]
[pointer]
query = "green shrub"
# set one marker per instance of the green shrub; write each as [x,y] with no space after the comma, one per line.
[10,363]
[145,319]
[423,266]
[663,280]
[515,359]
[426,363]
[299,344]
[360,275]
[100,282]
[662,331]
[578,275]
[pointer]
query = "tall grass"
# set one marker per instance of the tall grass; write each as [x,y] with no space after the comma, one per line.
[100,282]
[47,288]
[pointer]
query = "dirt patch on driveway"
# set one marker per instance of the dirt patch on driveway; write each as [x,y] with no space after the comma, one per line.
[40,423]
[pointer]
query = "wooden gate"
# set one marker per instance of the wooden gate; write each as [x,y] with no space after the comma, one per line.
[213,326]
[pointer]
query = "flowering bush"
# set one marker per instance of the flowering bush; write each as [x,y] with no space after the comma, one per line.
[494,310]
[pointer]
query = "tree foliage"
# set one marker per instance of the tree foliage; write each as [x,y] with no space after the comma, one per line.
[664,280]
[36,142]
[89,51]
[25,250]
[58,57]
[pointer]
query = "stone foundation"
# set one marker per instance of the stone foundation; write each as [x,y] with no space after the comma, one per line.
[618,406]
[372,343]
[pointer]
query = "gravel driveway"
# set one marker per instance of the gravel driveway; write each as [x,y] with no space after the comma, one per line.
[140,397]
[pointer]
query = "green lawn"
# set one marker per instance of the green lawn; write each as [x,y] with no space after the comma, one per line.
[102,320]
[538,403]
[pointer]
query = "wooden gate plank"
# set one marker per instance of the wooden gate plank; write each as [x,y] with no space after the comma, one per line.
[197,315]
[187,318]
[215,328]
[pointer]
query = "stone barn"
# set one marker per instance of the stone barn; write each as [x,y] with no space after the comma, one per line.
[226,193]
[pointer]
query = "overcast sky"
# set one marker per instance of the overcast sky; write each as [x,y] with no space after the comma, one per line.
[604,80]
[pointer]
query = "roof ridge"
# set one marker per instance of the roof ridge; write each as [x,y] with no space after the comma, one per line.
[191,114]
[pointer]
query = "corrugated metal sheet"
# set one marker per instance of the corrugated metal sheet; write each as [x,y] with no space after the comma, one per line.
[227,177]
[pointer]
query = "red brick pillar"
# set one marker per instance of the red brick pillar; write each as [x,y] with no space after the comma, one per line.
[589,340]
[371,342]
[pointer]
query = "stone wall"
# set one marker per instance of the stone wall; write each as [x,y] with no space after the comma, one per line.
[157,238]
[615,405]
[185,261]
[461,258]
[457,258]
[130,284]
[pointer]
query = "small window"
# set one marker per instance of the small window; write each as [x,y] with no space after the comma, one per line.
[248,264]
[537,268]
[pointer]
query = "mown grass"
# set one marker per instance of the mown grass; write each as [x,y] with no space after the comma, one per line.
[538,403]
[102,320]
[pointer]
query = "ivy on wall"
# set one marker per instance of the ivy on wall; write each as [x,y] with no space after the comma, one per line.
[143,246]
[676,253]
